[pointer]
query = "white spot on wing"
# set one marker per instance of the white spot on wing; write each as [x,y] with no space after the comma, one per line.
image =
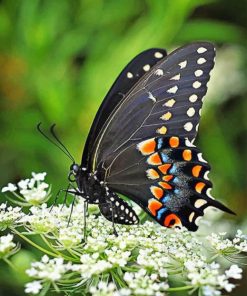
[158,55]
[191,216]
[200,158]
[193,98]
[197,126]
[201,50]
[188,126]
[188,143]
[176,77]
[151,97]
[182,64]
[200,202]
[146,67]
[208,192]
[201,61]
[197,84]
[191,112]
[206,175]
[198,73]
[173,89]
[159,72]
[130,75]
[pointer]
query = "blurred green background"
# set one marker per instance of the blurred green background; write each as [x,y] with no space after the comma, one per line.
[58,58]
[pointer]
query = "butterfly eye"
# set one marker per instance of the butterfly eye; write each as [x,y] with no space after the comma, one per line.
[71,177]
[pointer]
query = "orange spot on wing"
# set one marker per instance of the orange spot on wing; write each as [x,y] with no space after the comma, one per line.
[165,185]
[147,147]
[196,170]
[154,206]
[174,142]
[167,178]
[164,168]
[154,159]
[152,174]
[157,191]
[199,186]
[172,220]
[187,155]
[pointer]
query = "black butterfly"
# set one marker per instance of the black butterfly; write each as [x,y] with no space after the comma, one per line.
[140,143]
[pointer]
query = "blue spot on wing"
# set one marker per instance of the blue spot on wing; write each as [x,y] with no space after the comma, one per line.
[160,143]
[164,157]
[160,212]
[173,170]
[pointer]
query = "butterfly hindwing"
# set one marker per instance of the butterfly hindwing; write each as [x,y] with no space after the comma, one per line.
[166,100]
[130,75]
[167,177]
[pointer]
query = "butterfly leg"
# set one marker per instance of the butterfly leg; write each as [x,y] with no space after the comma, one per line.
[113,222]
[85,221]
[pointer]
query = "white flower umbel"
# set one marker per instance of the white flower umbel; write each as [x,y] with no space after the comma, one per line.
[9,216]
[31,191]
[7,246]
[226,247]
[141,260]
[48,269]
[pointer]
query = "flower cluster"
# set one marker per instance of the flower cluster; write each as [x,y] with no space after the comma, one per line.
[7,246]
[141,260]
[226,247]
[32,191]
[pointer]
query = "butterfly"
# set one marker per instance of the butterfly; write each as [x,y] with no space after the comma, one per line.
[141,141]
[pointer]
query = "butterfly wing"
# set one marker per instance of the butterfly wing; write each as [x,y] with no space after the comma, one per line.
[166,100]
[130,75]
[167,177]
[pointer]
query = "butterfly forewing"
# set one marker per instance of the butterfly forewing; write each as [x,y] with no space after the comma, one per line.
[130,75]
[167,100]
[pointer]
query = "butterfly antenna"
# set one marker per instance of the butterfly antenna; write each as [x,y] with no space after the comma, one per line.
[59,141]
[64,150]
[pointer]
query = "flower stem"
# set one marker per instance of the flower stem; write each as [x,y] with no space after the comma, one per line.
[10,264]
[56,251]
[177,289]
[33,244]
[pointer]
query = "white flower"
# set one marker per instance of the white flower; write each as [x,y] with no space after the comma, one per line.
[48,269]
[9,216]
[234,272]
[6,245]
[33,287]
[23,184]
[210,291]
[10,187]
[39,176]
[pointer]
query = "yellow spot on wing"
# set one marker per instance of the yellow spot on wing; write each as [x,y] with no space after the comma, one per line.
[166,116]
[170,103]
[162,130]
[152,174]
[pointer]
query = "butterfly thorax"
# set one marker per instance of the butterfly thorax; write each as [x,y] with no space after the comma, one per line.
[89,186]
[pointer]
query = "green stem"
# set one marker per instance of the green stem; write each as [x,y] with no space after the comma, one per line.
[56,251]
[177,289]
[10,264]
[33,244]
[213,258]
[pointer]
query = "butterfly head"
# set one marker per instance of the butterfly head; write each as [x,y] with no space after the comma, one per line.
[74,172]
